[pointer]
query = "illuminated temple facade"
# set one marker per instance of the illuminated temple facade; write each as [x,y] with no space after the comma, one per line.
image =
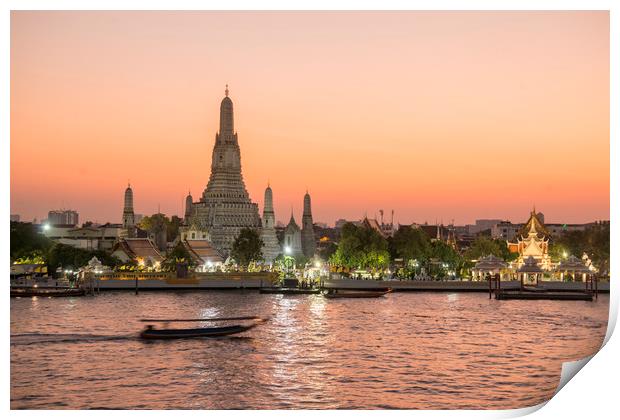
[532,241]
[225,206]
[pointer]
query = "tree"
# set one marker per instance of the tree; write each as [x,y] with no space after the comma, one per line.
[247,247]
[172,227]
[61,255]
[482,246]
[410,243]
[27,241]
[327,251]
[445,254]
[594,241]
[361,247]
[178,254]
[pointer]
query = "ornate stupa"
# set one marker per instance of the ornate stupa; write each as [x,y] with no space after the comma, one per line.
[225,206]
[129,224]
[308,242]
[271,246]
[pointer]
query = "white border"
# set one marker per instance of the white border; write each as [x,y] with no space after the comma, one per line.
[592,394]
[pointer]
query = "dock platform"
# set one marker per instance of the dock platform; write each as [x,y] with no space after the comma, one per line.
[543,295]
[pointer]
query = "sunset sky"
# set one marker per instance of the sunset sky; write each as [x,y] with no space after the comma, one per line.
[437,115]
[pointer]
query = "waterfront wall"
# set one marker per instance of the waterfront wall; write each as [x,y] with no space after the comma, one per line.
[157,281]
[457,286]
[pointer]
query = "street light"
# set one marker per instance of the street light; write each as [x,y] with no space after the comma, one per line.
[287,250]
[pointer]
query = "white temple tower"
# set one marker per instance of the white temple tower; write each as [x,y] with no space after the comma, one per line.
[189,203]
[307,229]
[271,245]
[225,206]
[128,216]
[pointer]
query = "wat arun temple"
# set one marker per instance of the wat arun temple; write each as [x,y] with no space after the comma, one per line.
[225,207]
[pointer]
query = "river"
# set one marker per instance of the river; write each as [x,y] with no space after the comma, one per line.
[405,350]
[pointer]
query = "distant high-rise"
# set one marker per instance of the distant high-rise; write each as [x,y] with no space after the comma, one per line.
[129,221]
[307,229]
[271,246]
[225,206]
[15,218]
[63,217]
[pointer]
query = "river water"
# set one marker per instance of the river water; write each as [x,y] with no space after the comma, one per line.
[406,350]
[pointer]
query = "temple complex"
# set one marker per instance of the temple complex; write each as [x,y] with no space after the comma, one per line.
[307,229]
[532,241]
[271,245]
[225,206]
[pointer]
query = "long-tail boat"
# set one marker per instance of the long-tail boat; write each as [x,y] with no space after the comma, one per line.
[340,294]
[46,292]
[150,332]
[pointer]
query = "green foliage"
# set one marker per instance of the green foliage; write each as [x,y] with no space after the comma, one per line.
[178,254]
[172,228]
[444,253]
[27,241]
[32,257]
[594,241]
[410,243]
[158,223]
[484,245]
[361,247]
[247,247]
[68,256]
[327,251]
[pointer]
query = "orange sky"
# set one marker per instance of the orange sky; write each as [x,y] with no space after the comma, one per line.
[437,115]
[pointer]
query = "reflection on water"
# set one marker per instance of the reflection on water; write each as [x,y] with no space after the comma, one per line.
[408,350]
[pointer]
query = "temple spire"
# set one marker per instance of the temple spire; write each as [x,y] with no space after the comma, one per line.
[226,91]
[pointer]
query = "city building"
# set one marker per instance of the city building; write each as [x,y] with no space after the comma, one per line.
[506,230]
[271,246]
[225,206]
[100,237]
[308,241]
[482,224]
[63,217]
[15,218]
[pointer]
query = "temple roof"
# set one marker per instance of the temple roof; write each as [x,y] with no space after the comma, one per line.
[373,224]
[574,264]
[292,224]
[139,248]
[535,226]
[202,251]
[530,266]
[490,263]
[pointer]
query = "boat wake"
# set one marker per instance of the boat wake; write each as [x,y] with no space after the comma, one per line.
[38,338]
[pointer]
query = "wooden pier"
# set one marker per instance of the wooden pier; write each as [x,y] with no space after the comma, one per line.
[589,292]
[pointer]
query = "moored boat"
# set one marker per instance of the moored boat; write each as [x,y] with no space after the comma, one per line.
[289,291]
[339,294]
[46,292]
